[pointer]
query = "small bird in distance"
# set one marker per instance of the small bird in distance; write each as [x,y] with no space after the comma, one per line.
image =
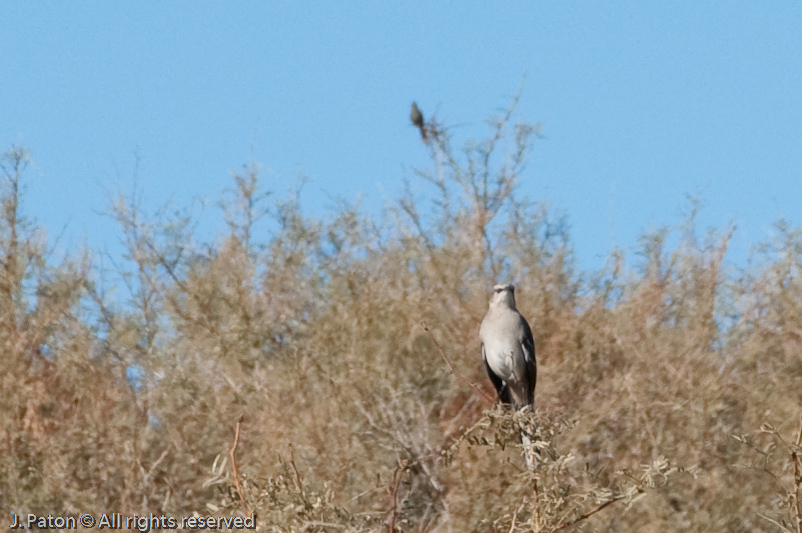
[416,117]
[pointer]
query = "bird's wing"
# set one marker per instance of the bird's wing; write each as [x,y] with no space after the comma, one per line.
[528,347]
[501,388]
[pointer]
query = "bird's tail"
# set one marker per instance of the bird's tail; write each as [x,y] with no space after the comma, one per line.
[529,449]
[423,134]
[527,430]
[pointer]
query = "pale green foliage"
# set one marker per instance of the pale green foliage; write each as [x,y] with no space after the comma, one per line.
[331,338]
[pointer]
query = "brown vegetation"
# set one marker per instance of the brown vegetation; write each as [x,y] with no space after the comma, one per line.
[669,392]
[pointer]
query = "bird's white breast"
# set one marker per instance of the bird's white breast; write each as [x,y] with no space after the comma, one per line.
[504,354]
[505,359]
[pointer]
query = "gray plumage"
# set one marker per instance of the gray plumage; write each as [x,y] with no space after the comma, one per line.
[508,349]
[416,117]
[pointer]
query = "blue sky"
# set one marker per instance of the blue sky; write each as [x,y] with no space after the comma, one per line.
[643,103]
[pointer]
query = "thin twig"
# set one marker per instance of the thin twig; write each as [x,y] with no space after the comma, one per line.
[234,466]
[515,516]
[451,368]
[297,479]
[795,500]
[764,517]
[797,494]
[587,515]
[448,452]
[328,525]
[398,475]
[147,474]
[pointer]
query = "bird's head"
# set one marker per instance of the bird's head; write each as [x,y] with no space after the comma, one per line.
[415,115]
[503,295]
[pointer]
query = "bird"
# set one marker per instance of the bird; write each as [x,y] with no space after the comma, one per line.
[416,117]
[508,349]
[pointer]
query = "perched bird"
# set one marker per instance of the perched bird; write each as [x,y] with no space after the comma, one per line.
[508,349]
[416,117]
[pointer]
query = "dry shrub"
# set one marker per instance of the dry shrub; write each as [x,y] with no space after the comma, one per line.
[334,339]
